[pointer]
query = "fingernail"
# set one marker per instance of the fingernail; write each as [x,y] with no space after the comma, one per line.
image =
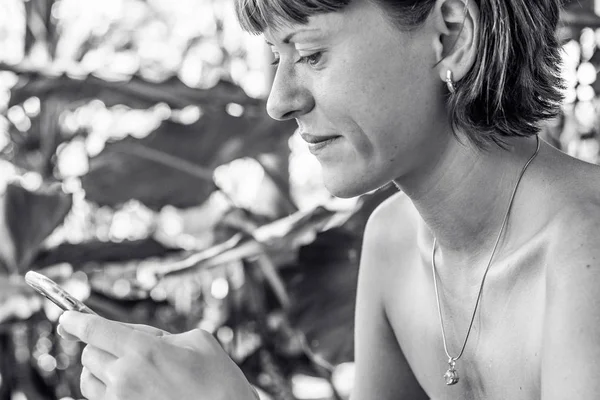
[65,316]
[61,331]
[61,318]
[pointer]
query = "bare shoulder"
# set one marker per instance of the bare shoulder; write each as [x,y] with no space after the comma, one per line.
[574,242]
[575,229]
[571,328]
[391,229]
[570,178]
[573,245]
[381,365]
[391,222]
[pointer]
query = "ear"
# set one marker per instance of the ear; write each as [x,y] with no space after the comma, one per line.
[456,36]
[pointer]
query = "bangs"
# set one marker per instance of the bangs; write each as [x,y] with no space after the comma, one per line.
[255,16]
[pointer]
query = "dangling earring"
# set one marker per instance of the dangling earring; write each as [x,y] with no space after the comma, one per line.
[450,82]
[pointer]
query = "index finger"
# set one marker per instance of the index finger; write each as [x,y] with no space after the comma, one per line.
[111,336]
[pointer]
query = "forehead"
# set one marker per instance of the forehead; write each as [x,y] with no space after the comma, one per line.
[318,25]
[356,18]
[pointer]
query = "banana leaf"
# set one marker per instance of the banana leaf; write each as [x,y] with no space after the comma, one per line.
[29,217]
[134,91]
[174,164]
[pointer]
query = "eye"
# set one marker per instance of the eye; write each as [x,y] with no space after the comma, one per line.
[276,58]
[312,60]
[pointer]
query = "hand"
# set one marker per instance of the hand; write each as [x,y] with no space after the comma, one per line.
[128,362]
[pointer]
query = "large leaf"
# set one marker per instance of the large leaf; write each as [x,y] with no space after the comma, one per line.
[134,91]
[30,217]
[79,255]
[323,284]
[174,164]
[59,91]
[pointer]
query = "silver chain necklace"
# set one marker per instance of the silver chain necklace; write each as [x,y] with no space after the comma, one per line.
[451,375]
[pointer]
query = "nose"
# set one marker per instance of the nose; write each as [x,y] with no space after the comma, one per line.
[289,97]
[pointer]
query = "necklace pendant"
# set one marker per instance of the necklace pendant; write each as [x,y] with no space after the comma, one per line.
[451,376]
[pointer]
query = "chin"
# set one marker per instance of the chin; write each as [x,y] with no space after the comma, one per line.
[347,188]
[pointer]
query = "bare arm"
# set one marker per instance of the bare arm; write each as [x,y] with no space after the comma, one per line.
[571,347]
[381,369]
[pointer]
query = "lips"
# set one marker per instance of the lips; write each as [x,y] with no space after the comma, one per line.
[315,139]
[318,143]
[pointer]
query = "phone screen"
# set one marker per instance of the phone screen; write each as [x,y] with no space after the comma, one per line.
[59,296]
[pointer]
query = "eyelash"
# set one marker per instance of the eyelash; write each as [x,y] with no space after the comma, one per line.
[311,60]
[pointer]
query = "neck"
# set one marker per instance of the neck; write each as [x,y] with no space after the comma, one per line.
[463,196]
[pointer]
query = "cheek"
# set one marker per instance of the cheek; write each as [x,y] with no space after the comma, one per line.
[378,107]
[386,109]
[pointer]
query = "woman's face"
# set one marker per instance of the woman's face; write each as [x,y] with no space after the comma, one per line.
[365,95]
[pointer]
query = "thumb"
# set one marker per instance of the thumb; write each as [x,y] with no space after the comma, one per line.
[196,340]
[148,329]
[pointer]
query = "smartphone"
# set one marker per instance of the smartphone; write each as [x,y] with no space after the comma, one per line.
[59,296]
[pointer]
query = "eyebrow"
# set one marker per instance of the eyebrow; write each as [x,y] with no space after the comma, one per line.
[288,38]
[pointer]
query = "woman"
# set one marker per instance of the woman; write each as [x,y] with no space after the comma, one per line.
[479,280]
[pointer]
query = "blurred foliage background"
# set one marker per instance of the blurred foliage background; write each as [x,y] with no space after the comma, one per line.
[139,169]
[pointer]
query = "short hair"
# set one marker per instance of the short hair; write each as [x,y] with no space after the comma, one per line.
[514,83]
